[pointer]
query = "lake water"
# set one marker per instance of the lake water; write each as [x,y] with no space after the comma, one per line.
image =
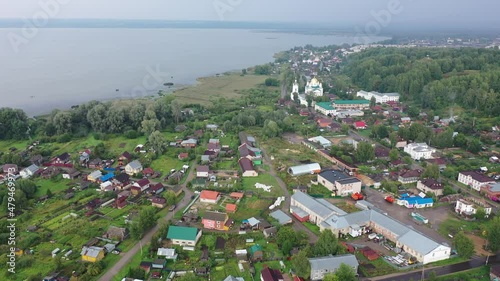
[63,67]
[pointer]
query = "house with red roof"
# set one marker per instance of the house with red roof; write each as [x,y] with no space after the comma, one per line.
[142,184]
[247,168]
[360,125]
[183,155]
[268,274]
[209,196]
[231,208]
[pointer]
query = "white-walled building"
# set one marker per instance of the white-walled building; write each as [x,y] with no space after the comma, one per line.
[474,179]
[339,183]
[329,265]
[325,108]
[379,97]
[314,87]
[419,151]
[466,208]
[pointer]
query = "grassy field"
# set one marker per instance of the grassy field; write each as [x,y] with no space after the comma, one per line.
[267,179]
[224,86]
[454,225]
[55,186]
[251,207]
[313,228]
[477,274]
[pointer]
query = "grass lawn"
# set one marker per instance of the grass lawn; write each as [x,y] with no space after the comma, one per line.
[313,228]
[5,145]
[453,260]
[57,185]
[227,165]
[224,86]
[251,207]
[230,267]
[478,274]
[365,133]
[453,226]
[320,190]
[165,164]
[267,179]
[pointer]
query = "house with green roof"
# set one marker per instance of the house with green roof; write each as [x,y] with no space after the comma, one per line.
[256,253]
[351,104]
[183,235]
[325,108]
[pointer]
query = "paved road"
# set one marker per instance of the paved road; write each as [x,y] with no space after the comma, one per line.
[441,270]
[127,257]
[297,225]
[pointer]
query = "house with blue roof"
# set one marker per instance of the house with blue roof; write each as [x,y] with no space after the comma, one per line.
[107,177]
[415,202]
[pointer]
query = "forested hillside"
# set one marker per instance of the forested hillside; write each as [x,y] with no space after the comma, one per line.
[432,78]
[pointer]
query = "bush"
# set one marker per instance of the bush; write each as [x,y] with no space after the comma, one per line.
[131,134]
[64,138]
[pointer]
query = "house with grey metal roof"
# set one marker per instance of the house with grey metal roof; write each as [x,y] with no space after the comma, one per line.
[281,217]
[329,264]
[339,183]
[133,168]
[29,171]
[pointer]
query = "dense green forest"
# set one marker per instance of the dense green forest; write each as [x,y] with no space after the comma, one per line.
[432,78]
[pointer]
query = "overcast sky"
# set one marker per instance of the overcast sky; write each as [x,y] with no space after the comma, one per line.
[327,11]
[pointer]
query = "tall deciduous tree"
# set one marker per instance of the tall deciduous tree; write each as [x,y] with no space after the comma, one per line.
[464,245]
[345,273]
[494,234]
[158,142]
[301,265]
[431,171]
[327,244]
[364,152]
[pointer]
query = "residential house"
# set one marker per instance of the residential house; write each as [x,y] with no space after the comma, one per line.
[256,253]
[28,172]
[381,152]
[247,168]
[202,171]
[92,254]
[244,138]
[10,169]
[307,169]
[474,179]
[49,172]
[71,174]
[84,158]
[122,180]
[469,209]
[116,233]
[96,163]
[94,176]
[330,264]
[121,199]
[145,265]
[281,217]
[231,208]
[324,122]
[339,183]
[159,264]
[183,156]
[268,274]
[62,159]
[148,172]
[159,202]
[142,184]
[212,127]
[210,197]
[270,232]
[360,125]
[430,185]
[231,278]
[409,176]
[176,189]
[36,160]
[419,151]
[189,143]
[168,253]
[492,191]
[133,168]
[180,128]
[124,158]
[183,236]
[440,162]
[215,220]
[252,153]
[214,145]
[405,120]
[107,177]
[156,188]
[236,195]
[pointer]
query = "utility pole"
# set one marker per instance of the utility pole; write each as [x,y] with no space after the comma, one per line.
[423,274]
